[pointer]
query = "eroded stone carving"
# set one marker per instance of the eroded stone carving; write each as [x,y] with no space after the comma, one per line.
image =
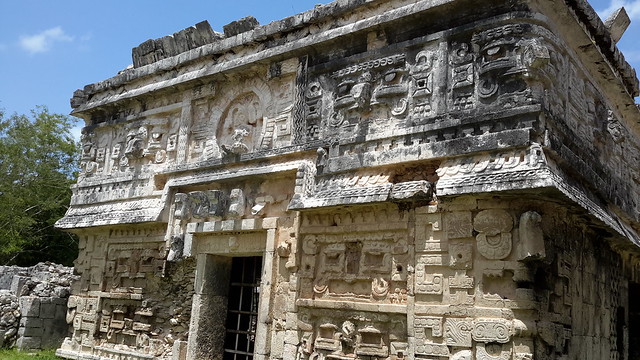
[462,76]
[531,236]
[367,169]
[457,332]
[494,238]
[492,352]
[491,331]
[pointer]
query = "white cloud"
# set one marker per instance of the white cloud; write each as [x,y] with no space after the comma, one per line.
[632,7]
[42,42]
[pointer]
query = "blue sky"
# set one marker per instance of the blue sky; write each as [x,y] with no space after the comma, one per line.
[50,48]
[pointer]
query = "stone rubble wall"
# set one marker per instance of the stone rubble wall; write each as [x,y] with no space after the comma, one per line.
[33,305]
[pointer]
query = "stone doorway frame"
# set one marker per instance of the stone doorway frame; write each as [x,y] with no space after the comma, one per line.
[214,244]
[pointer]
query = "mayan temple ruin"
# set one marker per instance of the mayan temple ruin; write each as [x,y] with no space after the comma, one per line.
[370,179]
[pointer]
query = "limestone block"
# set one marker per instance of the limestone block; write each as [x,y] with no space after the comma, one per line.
[47,310]
[277,344]
[239,26]
[17,283]
[29,306]
[61,312]
[30,331]
[29,343]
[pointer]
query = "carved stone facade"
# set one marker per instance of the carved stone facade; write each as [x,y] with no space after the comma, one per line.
[388,179]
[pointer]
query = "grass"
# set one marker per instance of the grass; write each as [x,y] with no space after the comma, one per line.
[28,355]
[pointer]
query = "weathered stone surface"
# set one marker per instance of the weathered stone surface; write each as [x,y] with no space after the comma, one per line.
[27,343]
[34,305]
[239,26]
[152,51]
[419,179]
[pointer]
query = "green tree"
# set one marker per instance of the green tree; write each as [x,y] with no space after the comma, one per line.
[38,164]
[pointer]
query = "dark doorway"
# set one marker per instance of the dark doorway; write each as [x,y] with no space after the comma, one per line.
[634,321]
[242,309]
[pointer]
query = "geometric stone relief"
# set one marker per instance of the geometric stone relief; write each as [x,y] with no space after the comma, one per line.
[504,52]
[115,150]
[378,85]
[428,233]
[457,332]
[128,266]
[90,162]
[358,187]
[210,204]
[460,281]
[199,205]
[425,281]
[371,343]
[492,330]
[422,74]
[494,233]
[424,347]
[366,266]
[432,322]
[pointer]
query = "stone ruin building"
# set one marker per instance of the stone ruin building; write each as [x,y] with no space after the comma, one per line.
[370,179]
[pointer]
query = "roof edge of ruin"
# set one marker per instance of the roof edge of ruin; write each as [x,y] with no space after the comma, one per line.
[584,13]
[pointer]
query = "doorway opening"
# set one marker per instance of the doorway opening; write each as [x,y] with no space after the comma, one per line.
[634,321]
[242,308]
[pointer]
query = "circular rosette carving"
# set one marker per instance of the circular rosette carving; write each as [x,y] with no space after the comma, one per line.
[494,233]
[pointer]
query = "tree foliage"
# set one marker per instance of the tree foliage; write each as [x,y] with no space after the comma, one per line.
[38,163]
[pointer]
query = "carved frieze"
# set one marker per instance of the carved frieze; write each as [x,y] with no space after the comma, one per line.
[352,335]
[358,266]
[351,188]
[209,204]
[510,169]
[506,55]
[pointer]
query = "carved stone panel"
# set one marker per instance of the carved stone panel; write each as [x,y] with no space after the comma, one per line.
[494,233]
[457,332]
[367,267]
